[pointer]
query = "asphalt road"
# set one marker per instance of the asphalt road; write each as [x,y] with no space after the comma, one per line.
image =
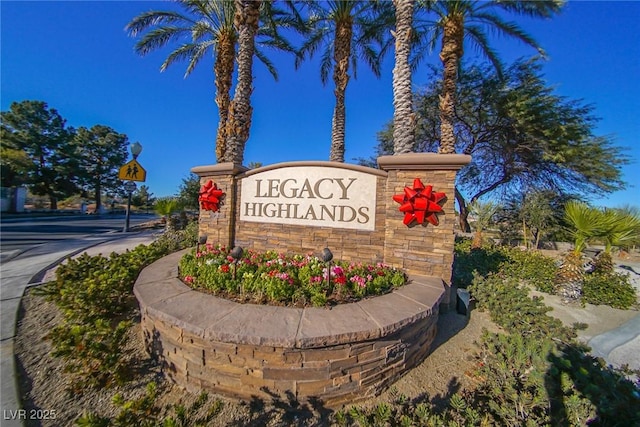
[18,234]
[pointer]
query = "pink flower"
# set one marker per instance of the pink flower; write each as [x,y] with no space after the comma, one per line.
[188,279]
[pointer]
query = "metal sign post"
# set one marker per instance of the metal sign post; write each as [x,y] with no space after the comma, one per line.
[132,171]
[130,187]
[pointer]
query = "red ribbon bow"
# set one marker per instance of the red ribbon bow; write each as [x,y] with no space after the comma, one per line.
[419,203]
[209,197]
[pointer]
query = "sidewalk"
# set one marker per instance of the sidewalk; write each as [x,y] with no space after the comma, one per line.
[612,334]
[29,268]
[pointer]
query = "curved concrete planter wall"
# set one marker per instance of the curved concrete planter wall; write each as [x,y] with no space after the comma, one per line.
[336,355]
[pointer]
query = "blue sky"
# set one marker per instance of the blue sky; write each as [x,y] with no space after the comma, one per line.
[77,57]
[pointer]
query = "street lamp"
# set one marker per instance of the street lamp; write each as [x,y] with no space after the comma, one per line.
[136,149]
[130,186]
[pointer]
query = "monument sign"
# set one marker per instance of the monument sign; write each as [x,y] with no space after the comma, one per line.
[311,196]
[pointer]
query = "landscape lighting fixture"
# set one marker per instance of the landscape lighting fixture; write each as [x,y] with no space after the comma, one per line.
[136,149]
[327,256]
[202,239]
[236,254]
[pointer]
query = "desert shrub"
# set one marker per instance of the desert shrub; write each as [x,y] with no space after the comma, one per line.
[95,293]
[531,266]
[146,411]
[468,261]
[93,352]
[612,289]
[540,366]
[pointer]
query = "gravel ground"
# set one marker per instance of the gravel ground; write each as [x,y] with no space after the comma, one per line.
[45,386]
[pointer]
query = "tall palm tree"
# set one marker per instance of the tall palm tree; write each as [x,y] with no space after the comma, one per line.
[207,25]
[346,31]
[246,20]
[460,20]
[403,116]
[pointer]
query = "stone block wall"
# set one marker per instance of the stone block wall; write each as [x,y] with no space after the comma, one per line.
[335,375]
[338,355]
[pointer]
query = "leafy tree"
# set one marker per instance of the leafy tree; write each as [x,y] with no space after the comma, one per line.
[345,30]
[189,191]
[521,137]
[36,150]
[536,213]
[460,20]
[142,197]
[205,26]
[100,152]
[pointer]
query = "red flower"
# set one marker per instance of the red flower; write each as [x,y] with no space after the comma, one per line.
[224,268]
[341,280]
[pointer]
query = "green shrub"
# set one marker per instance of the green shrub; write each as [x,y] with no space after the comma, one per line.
[531,266]
[93,352]
[145,411]
[95,293]
[467,262]
[539,365]
[611,289]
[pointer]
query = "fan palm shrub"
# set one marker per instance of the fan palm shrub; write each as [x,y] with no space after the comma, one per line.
[165,207]
[484,213]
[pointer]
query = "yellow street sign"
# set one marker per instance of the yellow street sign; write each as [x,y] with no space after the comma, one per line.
[132,171]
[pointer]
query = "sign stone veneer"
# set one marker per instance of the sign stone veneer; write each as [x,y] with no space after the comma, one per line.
[337,355]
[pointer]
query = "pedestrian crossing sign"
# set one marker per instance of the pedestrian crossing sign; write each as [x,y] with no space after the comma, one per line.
[132,171]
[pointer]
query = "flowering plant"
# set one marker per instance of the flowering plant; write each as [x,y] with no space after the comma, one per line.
[278,279]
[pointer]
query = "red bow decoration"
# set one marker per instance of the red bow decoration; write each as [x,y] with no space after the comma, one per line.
[419,203]
[209,197]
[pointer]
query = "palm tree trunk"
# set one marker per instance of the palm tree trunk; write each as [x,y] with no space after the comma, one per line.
[223,71]
[450,56]
[341,54]
[403,117]
[240,110]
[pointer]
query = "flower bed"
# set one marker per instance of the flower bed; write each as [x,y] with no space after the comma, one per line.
[279,279]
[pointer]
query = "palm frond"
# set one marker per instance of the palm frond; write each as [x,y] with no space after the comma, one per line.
[146,20]
[502,27]
[265,60]
[325,66]
[480,41]
[160,37]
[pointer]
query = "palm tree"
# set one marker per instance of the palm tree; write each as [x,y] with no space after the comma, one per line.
[484,213]
[246,20]
[165,207]
[460,20]
[586,223]
[207,25]
[403,116]
[346,31]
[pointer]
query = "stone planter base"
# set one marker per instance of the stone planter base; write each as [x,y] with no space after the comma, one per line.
[337,355]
